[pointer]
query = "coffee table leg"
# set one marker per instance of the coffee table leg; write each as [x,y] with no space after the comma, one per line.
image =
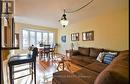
[59,64]
[63,66]
[58,67]
[68,65]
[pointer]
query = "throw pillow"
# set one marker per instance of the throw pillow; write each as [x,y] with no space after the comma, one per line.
[108,57]
[100,57]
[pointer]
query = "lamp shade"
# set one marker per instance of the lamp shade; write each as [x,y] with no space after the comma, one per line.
[64,22]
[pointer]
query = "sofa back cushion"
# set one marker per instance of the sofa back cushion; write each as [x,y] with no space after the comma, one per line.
[94,52]
[83,51]
[117,72]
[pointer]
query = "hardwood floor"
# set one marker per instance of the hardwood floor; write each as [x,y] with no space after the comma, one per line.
[44,71]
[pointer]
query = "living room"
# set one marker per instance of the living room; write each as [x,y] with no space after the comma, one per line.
[107,19]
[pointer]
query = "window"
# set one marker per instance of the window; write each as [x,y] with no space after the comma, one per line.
[33,37]
[25,38]
[45,38]
[39,37]
[51,38]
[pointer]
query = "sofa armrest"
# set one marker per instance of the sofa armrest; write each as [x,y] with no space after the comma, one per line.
[74,53]
[116,72]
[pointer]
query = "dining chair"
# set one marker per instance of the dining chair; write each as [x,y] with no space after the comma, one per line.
[46,50]
[20,60]
[40,53]
[52,50]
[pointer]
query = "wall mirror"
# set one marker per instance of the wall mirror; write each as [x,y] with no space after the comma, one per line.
[88,36]
[75,37]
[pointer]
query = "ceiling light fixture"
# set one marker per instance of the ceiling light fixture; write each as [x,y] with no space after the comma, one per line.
[63,21]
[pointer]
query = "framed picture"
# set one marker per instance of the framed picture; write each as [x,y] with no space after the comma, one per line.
[63,39]
[75,37]
[88,36]
[7,7]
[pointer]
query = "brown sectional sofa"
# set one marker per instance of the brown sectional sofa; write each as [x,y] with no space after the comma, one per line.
[93,71]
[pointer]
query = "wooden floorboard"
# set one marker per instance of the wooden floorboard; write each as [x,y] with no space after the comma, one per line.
[44,70]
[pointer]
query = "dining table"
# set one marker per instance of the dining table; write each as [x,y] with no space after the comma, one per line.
[41,52]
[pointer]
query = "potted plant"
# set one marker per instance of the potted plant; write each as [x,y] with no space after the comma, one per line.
[30,48]
[41,43]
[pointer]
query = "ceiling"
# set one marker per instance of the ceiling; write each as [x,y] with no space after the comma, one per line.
[48,12]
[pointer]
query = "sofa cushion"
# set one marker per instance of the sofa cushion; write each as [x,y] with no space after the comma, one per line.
[75,52]
[83,51]
[94,52]
[88,59]
[96,66]
[80,63]
[78,57]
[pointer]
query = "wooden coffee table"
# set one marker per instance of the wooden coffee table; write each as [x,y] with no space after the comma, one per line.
[72,67]
[65,64]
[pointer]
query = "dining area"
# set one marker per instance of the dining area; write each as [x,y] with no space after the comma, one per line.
[47,51]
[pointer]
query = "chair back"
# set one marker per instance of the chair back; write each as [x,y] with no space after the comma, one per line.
[54,47]
[46,48]
[34,53]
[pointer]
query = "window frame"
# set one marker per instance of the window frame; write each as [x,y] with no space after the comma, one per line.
[35,30]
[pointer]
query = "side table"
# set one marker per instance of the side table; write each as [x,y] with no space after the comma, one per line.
[68,52]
